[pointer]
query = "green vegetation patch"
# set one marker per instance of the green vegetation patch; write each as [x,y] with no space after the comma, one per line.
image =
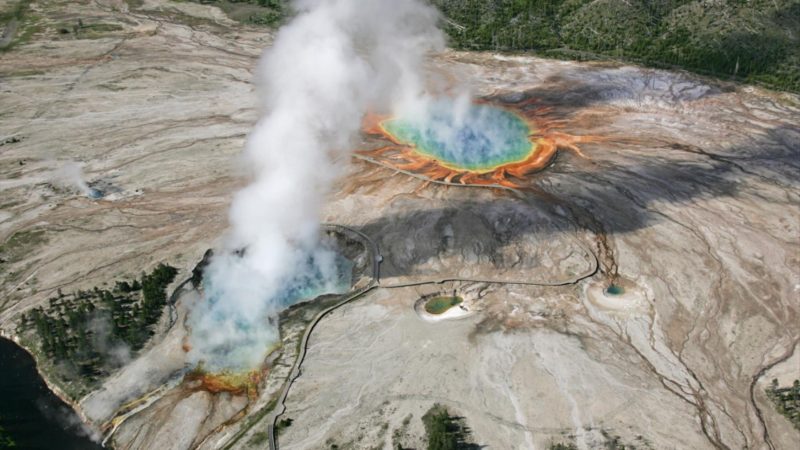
[88,334]
[20,244]
[16,10]
[560,446]
[754,41]
[446,432]
[283,424]
[17,24]
[440,304]
[257,12]
[786,400]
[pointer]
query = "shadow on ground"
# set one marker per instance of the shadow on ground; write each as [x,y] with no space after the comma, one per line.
[598,197]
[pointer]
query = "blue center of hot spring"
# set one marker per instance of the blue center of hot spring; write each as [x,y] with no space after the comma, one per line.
[478,139]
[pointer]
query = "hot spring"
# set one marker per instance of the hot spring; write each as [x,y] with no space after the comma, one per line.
[307,283]
[615,289]
[228,334]
[479,139]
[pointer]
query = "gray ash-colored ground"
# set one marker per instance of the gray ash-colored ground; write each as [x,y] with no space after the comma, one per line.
[691,202]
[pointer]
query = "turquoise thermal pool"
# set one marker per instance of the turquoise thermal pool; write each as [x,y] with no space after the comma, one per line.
[483,138]
[615,289]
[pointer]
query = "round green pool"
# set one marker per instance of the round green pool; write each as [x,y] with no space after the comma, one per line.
[615,289]
[438,305]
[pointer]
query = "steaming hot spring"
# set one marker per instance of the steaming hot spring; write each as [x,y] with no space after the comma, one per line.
[484,139]
[235,336]
[490,142]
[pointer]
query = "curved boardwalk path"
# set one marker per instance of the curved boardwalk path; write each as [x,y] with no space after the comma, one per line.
[295,372]
[375,283]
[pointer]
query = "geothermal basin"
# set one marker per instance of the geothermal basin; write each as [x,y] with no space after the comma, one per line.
[492,141]
[478,138]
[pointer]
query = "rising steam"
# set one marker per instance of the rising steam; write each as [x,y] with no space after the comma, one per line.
[70,175]
[335,60]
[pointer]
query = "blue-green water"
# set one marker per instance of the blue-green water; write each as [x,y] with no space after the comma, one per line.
[311,282]
[615,289]
[484,138]
[236,323]
[307,283]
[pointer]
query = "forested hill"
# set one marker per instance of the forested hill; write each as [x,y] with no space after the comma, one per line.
[749,40]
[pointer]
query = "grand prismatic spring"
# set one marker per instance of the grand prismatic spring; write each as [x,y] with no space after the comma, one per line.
[482,140]
[491,142]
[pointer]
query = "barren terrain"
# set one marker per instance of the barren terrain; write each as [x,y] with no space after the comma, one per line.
[689,201]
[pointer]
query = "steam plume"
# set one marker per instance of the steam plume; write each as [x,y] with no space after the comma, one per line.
[335,60]
[71,175]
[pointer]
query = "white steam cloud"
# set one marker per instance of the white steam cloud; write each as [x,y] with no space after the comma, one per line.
[71,175]
[334,61]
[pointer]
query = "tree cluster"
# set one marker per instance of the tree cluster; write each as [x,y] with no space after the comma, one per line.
[786,400]
[446,432]
[755,41]
[85,330]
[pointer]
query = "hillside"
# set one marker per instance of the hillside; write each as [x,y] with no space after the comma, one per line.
[754,41]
